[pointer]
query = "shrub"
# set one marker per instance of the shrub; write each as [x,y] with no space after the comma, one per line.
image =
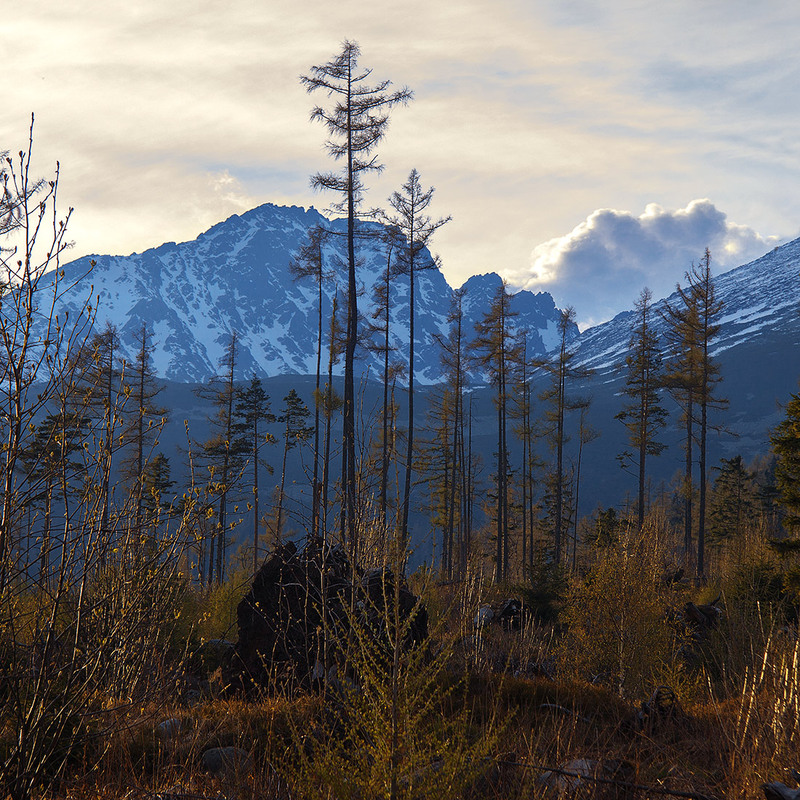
[395,725]
[618,631]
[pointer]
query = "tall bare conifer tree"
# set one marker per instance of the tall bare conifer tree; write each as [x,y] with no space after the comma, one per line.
[356,123]
[562,370]
[643,414]
[416,229]
[309,263]
[691,376]
[498,354]
[223,453]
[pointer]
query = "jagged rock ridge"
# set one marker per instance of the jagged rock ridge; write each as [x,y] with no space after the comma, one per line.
[235,277]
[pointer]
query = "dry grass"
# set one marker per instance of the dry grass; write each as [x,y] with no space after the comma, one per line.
[715,747]
[734,728]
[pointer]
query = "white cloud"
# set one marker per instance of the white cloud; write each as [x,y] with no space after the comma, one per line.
[603,263]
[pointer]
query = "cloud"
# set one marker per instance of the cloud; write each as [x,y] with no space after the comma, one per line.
[601,266]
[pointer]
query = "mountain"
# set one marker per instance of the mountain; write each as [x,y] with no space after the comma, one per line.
[235,277]
[761,301]
[756,350]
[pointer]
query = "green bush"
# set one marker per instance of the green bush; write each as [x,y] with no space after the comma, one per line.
[545,591]
[753,582]
[395,725]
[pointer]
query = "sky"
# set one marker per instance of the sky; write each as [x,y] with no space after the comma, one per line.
[587,149]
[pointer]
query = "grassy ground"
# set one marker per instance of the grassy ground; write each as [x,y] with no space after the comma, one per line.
[732,727]
[487,713]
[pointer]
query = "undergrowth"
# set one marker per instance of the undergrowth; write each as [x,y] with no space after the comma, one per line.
[483,712]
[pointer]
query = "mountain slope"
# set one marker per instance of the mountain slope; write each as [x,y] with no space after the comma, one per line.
[760,300]
[235,277]
[756,350]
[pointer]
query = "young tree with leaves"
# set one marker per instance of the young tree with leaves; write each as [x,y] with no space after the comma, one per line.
[643,415]
[99,629]
[37,351]
[356,123]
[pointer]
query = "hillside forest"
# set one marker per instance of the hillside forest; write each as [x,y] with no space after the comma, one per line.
[650,648]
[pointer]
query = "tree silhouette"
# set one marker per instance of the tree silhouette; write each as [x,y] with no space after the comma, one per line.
[643,415]
[497,352]
[309,263]
[293,415]
[416,229]
[561,370]
[223,454]
[356,123]
[252,412]
[693,375]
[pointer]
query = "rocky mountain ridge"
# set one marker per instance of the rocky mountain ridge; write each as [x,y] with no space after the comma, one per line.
[235,277]
[760,299]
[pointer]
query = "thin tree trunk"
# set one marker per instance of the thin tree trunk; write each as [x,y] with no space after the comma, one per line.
[410,441]
[687,509]
[279,516]
[349,442]
[701,511]
[255,495]
[559,463]
[326,463]
[643,415]
[140,429]
[315,515]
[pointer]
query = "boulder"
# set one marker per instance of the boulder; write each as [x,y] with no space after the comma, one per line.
[780,791]
[484,616]
[510,615]
[225,761]
[700,619]
[301,605]
[169,729]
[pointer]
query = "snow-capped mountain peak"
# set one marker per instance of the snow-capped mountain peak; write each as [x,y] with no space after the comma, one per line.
[235,277]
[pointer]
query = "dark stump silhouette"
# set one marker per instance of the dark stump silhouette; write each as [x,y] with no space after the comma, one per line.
[294,622]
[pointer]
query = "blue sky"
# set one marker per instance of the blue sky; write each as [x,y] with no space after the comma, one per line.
[583,148]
